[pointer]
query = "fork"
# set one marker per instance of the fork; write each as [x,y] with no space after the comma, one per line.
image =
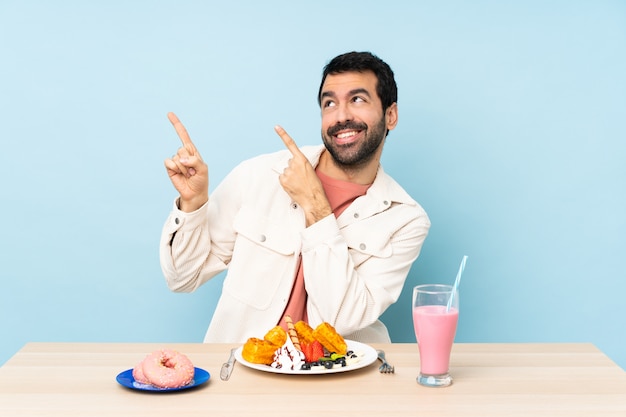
[386,367]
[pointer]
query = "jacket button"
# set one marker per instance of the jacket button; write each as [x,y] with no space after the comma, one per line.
[294,206]
[262,238]
[177,220]
[356,215]
[386,202]
[362,246]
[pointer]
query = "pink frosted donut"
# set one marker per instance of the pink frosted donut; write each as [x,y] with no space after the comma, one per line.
[138,374]
[167,368]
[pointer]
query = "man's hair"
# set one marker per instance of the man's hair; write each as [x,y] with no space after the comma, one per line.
[386,87]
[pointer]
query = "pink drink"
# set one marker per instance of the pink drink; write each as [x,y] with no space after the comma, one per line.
[435,329]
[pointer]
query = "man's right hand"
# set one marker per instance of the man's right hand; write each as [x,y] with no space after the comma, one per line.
[187,171]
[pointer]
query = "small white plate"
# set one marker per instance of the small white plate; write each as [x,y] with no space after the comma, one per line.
[365,352]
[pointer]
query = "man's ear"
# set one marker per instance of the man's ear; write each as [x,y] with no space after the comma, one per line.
[391,116]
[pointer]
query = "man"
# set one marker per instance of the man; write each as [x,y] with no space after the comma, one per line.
[320,233]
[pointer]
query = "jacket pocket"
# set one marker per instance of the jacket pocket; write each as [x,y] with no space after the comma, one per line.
[366,241]
[263,259]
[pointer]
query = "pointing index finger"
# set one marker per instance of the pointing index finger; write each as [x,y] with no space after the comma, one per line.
[181,131]
[288,141]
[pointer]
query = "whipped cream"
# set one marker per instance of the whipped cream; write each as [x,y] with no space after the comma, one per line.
[288,357]
[354,358]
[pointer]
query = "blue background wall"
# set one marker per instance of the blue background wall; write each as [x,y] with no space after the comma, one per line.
[512,136]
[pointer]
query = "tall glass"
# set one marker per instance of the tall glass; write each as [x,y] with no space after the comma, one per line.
[435,327]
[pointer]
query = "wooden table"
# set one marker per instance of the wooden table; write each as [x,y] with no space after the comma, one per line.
[78,379]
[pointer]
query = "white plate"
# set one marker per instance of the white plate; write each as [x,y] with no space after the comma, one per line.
[365,352]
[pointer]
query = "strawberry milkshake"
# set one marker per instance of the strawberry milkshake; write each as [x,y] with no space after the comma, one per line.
[435,327]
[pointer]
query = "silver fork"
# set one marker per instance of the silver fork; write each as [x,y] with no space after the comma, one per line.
[386,367]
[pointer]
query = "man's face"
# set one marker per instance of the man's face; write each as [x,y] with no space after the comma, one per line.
[353,124]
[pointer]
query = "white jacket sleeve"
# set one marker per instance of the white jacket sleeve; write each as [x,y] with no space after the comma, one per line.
[197,246]
[353,273]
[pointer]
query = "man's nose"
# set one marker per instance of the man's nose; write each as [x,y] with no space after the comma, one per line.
[343,113]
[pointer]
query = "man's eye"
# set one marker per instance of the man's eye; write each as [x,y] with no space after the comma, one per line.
[358,99]
[329,104]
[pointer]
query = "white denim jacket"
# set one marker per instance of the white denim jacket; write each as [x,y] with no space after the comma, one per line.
[354,266]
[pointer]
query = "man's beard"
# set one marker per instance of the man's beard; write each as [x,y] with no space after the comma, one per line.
[355,154]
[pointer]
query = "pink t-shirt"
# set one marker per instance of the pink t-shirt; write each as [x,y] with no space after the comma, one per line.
[340,195]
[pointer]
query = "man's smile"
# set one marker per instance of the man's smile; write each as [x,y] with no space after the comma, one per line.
[347,133]
[346,137]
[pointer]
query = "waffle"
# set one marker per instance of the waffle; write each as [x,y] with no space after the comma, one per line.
[330,339]
[262,350]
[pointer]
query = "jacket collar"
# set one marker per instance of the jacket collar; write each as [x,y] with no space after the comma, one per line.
[384,190]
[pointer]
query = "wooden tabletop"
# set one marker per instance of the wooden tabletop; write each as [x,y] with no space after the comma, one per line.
[79,379]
